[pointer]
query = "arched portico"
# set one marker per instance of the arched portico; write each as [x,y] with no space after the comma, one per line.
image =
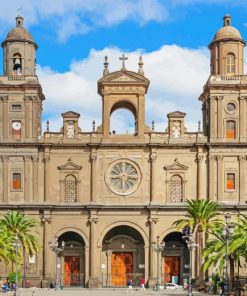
[123,256]
[72,267]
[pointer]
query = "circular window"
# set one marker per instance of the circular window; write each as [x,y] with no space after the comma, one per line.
[230,107]
[123,177]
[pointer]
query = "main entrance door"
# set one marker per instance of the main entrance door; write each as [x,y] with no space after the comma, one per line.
[121,268]
[71,271]
[171,269]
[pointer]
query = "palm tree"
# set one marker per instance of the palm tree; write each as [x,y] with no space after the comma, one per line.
[202,218]
[6,245]
[22,226]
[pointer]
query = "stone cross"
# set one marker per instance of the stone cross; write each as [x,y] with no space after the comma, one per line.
[123,58]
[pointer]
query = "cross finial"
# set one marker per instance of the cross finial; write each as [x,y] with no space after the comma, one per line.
[106,70]
[140,70]
[123,58]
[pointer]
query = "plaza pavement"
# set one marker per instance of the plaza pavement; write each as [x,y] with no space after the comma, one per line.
[99,292]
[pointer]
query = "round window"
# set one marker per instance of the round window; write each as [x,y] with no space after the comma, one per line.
[230,107]
[123,177]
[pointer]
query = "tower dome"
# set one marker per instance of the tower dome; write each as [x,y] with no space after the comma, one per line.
[19,51]
[227,31]
[227,50]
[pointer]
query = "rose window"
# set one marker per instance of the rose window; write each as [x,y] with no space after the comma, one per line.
[123,178]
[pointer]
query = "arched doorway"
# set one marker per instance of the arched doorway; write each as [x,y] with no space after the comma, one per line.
[122,256]
[72,260]
[175,259]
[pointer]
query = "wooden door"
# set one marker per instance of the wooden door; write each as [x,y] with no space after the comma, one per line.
[71,271]
[171,269]
[121,268]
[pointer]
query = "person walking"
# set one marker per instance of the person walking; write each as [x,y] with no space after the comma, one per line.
[142,283]
[130,285]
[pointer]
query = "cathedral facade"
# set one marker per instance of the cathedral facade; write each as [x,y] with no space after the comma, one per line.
[112,198]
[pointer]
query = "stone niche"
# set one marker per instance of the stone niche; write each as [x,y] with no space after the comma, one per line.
[70,127]
[176,127]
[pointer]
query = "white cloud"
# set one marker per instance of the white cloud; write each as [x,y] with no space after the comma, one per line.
[177,76]
[79,17]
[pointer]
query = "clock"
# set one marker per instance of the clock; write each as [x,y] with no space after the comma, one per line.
[16,125]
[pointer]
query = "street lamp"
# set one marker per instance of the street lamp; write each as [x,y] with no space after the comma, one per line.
[158,249]
[57,250]
[189,239]
[226,232]
[16,245]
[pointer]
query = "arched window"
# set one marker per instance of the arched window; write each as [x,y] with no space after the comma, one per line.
[17,64]
[230,64]
[176,189]
[70,194]
[230,129]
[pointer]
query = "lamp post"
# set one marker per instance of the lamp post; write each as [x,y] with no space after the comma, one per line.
[57,250]
[191,246]
[226,232]
[16,245]
[158,249]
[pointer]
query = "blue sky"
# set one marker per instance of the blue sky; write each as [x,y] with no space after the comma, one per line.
[74,35]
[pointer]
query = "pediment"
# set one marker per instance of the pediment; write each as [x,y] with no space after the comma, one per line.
[71,114]
[176,114]
[69,166]
[176,166]
[124,76]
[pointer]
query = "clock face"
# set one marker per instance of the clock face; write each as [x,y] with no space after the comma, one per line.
[16,125]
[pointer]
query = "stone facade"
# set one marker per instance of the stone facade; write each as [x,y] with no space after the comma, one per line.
[110,196]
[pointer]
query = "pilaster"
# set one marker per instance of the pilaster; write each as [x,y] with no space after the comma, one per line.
[213,117]
[6,123]
[153,183]
[220,117]
[5,178]
[220,178]
[46,160]
[242,118]
[28,180]
[35,178]
[242,169]
[152,258]
[212,195]
[200,174]
[93,159]
[28,117]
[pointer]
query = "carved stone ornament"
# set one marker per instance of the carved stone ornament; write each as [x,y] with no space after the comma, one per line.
[123,177]
[70,133]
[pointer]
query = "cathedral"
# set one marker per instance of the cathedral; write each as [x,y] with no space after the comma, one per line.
[109,200]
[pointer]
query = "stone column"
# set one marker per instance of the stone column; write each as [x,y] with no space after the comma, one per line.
[94,265]
[6,123]
[220,178]
[27,178]
[1,179]
[146,262]
[93,159]
[35,178]
[212,117]
[27,101]
[6,178]
[242,118]
[152,255]
[46,251]
[141,115]
[47,176]
[242,169]
[220,118]
[153,183]
[109,256]
[211,178]
[200,174]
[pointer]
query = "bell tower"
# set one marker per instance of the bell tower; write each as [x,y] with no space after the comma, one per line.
[19,51]
[224,98]
[123,90]
[21,95]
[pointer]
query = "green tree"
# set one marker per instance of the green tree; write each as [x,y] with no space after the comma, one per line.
[202,217]
[23,227]
[6,245]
